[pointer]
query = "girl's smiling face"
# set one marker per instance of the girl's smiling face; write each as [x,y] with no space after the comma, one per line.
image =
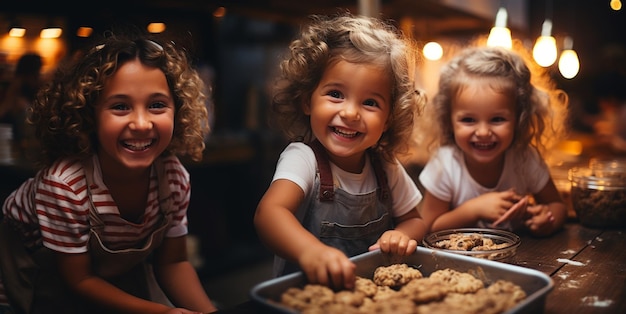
[135,117]
[483,120]
[349,110]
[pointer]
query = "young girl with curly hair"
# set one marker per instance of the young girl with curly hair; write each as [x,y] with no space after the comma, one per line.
[102,226]
[346,96]
[493,120]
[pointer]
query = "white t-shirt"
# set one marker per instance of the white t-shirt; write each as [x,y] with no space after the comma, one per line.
[297,163]
[446,176]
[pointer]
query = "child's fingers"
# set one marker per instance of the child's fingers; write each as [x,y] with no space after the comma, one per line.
[539,219]
[511,195]
[514,210]
[411,247]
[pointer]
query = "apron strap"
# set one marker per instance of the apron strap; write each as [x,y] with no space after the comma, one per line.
[327,188]
[381,176]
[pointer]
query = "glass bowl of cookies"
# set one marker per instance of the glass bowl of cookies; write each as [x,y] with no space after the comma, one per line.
[492,244]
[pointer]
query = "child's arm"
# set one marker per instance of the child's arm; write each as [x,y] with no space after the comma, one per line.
[432,208]
[177,277]
[549,213]
[76,270]
[281,231]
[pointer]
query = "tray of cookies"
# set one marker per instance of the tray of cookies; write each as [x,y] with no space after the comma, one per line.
[428,281]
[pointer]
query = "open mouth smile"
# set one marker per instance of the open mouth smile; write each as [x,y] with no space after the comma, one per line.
[484,146]
[138,145]
[344,133]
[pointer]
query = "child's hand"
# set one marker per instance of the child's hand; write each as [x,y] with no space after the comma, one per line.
[540,222]
[328,266]
[517,212]
[395,242]
[493,205]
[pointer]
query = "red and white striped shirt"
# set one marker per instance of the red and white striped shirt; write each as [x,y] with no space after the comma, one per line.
[53,209]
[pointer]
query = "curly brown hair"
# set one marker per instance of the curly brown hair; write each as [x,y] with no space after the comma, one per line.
[64,110]
[355,39]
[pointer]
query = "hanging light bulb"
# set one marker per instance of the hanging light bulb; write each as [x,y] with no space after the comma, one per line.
[17,31]
[616,5]
[433,51]
[51,31]
[568,63]
[544,51]
[500,35]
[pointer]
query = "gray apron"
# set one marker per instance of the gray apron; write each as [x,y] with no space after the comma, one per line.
[32,281]
[348,222]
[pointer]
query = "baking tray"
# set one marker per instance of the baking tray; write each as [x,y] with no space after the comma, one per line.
[536,284]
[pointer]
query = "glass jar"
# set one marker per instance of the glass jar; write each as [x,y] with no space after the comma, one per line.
[598,195]
[607,165]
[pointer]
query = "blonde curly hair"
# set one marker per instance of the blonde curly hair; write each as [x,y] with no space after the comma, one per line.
[355,39]
[64,111]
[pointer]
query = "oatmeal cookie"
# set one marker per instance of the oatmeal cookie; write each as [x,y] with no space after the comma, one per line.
[392,306]
[460,303]
[395,275]
[366,286]
[384,293]
[508,290]
[331,308]
[458,281]
[424,290]
[310,295]
[351,298]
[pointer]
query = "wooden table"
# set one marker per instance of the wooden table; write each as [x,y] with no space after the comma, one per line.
[588,267]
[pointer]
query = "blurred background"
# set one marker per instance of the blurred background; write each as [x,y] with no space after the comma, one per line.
[236,44]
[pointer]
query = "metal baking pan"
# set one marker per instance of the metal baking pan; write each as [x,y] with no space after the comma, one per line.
[536,284]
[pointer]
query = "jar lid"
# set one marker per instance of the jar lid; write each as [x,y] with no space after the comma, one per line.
[597,179]
[608,164]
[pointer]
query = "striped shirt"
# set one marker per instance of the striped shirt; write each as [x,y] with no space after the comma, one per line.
[52,209]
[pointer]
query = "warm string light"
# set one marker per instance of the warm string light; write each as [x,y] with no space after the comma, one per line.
[219,12]
[17,32]
[156,27]
[569,65]
[51,32]
[84,31]
[545,51]
[615,5]
[432,51]
[500,35]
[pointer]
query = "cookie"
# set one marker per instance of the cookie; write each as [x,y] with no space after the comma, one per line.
[458,281]
[366,286]
[395,275]
[424,290]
